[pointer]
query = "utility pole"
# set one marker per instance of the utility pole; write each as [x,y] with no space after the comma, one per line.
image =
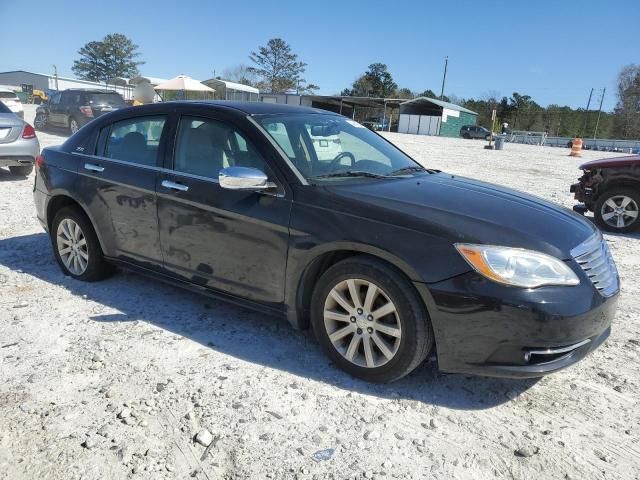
[595,131]
[444,76]
[55,73]
[586,113]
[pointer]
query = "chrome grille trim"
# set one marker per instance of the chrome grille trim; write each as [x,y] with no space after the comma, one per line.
[595,259]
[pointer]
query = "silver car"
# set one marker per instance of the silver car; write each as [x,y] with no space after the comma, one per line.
[19,145]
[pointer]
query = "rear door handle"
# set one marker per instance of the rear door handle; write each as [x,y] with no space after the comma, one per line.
[93,168]
[174,186]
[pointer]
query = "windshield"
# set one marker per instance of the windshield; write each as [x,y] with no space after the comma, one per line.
[105,98]
[4,108]
[331,148]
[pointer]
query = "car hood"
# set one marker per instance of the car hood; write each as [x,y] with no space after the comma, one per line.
[627,161]
[467,211]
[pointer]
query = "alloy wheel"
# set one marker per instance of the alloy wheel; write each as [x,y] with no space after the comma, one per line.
[362,323]
[73,126]
[40,121]
[619,211]
[72,246]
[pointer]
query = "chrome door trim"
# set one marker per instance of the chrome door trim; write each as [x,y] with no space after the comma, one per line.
[174,186]
[93,168]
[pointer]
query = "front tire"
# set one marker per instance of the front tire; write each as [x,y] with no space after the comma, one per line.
[21,170]
[40,122]
[74,126]
[618,210]
[76,246]
[369,320]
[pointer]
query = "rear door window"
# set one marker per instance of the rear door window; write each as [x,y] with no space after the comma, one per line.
[135,140]
[109,98]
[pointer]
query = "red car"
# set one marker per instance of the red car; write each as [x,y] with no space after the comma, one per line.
[610,188]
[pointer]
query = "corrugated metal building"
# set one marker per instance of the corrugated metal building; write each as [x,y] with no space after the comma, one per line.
[43,81]
[429,116]
[226,90]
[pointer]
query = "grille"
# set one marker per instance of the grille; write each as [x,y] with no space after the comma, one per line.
[595,259]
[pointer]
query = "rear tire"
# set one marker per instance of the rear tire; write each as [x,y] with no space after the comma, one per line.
[89,264]
[467,136]
[361,339]
[617,210]
[21,170]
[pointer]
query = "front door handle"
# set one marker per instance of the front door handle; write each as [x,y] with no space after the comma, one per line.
[174,186]
[93,168]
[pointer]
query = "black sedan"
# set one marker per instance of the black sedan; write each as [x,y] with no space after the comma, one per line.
[307,214]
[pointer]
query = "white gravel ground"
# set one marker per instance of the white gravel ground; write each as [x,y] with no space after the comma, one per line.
[119,379]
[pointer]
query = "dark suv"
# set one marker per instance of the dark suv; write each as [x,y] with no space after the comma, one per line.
[75,107]
[386,260]
[473,131]
[610,188]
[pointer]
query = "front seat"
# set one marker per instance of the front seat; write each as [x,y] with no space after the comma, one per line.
[200,156]
[134,145]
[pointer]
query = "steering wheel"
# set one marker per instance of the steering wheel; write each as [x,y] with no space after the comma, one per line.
[336,161]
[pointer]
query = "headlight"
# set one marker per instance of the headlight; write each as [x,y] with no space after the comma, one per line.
[516,266]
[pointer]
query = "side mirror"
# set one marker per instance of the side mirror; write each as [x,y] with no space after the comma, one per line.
[244,178]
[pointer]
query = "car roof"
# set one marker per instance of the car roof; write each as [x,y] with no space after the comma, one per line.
[89,90]
[254,108]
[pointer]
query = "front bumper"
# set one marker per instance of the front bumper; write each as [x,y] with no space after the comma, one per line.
[484,328]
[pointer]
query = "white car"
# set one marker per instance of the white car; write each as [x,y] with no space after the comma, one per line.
[11,100]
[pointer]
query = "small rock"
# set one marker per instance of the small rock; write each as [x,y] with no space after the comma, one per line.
[89,443]
[21,305]
[372,435]
[399,436]
[433,424]
[511,394]
[103,431]
[387,464]
[618,388]
[98,357]
[204,437]
[368,474]
[527,451]
[124,454]
[160,387]
[124,413]
[323,455]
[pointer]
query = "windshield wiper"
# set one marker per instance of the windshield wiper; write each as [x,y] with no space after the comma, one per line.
[412,168]
[351,173]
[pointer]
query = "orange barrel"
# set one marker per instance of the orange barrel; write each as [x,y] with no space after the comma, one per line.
[576,147]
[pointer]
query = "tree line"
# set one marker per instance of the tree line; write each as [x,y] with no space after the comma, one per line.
[275,68]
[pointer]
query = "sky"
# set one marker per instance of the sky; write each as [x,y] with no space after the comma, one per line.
[554,51]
